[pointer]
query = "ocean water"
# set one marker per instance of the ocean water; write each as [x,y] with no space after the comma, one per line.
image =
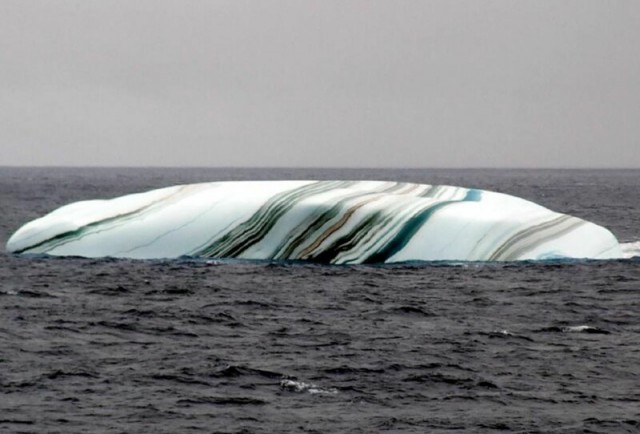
[122,346]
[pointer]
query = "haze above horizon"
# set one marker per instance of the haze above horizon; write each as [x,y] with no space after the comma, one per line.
[375,84]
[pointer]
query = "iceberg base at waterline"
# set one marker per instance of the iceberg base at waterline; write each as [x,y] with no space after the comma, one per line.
[332,222]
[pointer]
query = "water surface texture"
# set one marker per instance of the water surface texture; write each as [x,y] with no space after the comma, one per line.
[185,346]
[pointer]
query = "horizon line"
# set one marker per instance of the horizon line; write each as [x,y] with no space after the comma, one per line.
[90,166]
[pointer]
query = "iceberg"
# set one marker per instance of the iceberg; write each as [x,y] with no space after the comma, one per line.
[331,222]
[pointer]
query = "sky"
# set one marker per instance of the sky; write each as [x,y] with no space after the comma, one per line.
[539,83]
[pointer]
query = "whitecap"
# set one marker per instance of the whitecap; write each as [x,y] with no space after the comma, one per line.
[301,386]
[585,329]
[577,329]
[504,332]
[630,250]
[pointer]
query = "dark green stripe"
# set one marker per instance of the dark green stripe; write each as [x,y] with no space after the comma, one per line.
[348,241]
[400,240]
[290,244]
[250,232]
[76,234]
[411,227]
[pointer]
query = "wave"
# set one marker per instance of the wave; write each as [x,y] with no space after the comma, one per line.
[300,386]
[630,250]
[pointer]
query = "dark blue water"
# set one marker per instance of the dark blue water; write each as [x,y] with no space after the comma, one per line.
[121,346]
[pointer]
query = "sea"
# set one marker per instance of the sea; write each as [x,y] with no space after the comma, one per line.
[222,346]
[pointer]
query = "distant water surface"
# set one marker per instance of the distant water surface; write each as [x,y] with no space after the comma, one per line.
[184,346]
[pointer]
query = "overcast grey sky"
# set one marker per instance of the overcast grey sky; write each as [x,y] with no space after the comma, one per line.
[320,83]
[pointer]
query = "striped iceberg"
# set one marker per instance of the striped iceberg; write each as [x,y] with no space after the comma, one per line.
[336,222]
